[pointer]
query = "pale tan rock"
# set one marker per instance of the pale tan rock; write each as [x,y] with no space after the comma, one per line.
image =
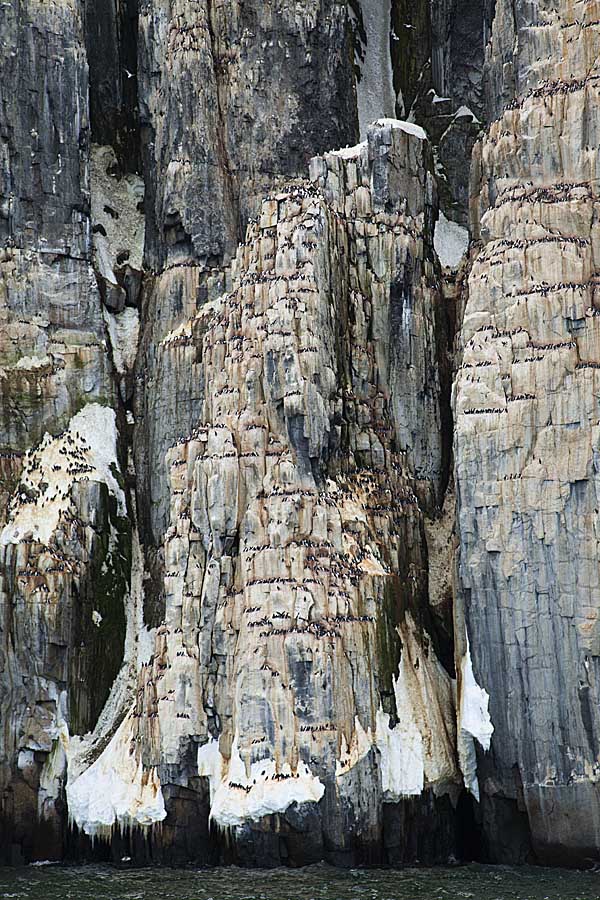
[526,428]
[295,544]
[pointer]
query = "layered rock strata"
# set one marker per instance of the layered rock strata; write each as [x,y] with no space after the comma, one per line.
[233,98]
[297,658]
[526,434]
[64,535]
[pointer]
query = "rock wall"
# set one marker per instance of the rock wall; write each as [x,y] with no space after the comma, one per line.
[526,434]
[234,97]
[126,329]
[296,665]
[64,532]
[261,599]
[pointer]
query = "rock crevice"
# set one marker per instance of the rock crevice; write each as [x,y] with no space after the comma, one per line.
[298,457]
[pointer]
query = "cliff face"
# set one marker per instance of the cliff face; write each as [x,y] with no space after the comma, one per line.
[295,655]
[65,536]
[234,98]
[526,432]
[240,616]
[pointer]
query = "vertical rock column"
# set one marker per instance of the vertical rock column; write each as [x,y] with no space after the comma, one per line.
[62,512]
[234,97]
[296,670]
[527,428]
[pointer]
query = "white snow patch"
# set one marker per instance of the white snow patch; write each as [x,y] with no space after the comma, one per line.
[43,495]
[401,747]
[474,723]
[124,332]
[350,152]
[402,765]
[116,790]
[464,112]
[353,152]
[257,794]
[408,127]
[33,362]
[376,96]
[467,760]
[451,241]
[436,97]
[474,705]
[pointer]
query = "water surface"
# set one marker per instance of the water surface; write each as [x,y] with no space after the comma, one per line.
[313,883]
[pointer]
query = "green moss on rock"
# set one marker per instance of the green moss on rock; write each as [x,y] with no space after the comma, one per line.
[98,646]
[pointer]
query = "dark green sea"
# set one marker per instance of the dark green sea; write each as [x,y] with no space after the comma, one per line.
[313,883]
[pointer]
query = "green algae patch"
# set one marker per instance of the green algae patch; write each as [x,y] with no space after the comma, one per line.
[389,646]
[101,619]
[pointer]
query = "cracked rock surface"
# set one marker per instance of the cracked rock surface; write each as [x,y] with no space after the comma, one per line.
[295,557]
[527,430]
[298,431]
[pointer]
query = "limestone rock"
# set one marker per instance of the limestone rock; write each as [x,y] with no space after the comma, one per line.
[261,599]
[526,434]
[294,653]
[64,532]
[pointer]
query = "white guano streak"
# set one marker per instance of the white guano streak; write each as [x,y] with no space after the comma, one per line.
[474,722]
[116,791]
[255,795]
